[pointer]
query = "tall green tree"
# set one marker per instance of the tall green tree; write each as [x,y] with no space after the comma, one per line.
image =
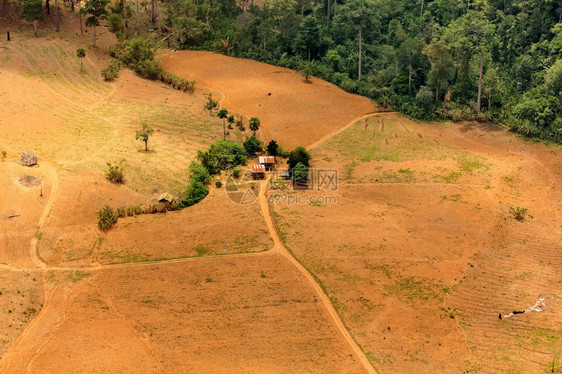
[308,38]
[409,55]
[81,53]
[144,134]
[32,12]
[472,35]
[284,11]
[96,11]
[439,54]
[360,14]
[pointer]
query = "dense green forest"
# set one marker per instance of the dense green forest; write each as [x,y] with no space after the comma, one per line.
[488,60]
[484,60]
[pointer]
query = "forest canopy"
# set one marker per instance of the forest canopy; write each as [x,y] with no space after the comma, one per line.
[486,60]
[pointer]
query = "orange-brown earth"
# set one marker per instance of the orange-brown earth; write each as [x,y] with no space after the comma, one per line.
[421,252]
[254,311]
[291,111]
[417,258]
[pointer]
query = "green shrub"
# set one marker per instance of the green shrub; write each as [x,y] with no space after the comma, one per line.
[115,22]
[519,213]
[253,146]
[236,172]
[218,184]
[273,148]
[137,51]
[111,71]
[115,172]
[199,173]
[299,155]
[150,69]
[107,217]
[196,192]
[211,103]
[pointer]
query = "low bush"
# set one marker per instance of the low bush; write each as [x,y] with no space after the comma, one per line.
[519,213]
[107,217]
[111,71]
[115,172]
[211,103]
[178,82]
[150,69]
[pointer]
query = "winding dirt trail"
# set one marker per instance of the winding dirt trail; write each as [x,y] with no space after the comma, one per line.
[279,247]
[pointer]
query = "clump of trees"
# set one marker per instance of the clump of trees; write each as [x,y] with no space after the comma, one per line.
[197,189]
[222,155]
[299,155]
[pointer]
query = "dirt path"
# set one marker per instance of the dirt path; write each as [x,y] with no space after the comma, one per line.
[33,250]
[279,247]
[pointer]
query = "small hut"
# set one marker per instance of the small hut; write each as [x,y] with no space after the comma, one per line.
[268,162]
[28,159]
[258,171]
[165,198]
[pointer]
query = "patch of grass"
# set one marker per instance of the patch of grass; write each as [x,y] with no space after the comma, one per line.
[455,197]
[451,177]
[348,170]
[78,275]
[414,289]
[201,250]
[357,144]
[469,164]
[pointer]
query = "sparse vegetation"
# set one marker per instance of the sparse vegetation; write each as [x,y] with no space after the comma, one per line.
[210,103]
[178,82]
[519,213]
[115,172]
[107,217]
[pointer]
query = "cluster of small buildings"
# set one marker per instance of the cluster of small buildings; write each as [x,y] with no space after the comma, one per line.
[266,163]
